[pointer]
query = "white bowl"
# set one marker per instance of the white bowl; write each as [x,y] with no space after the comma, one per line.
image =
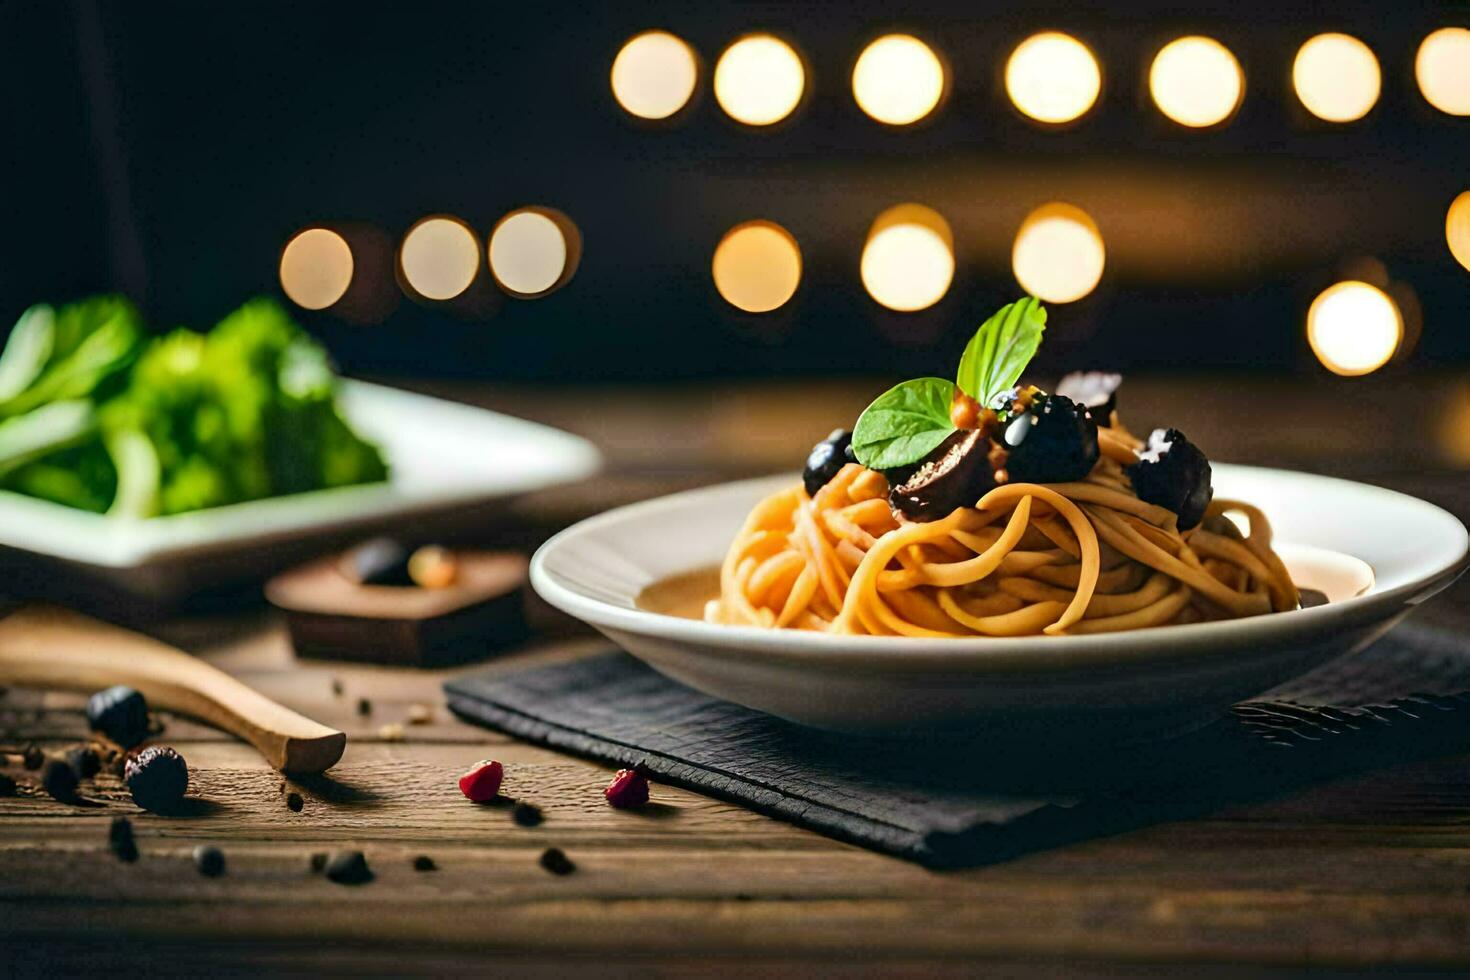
[1376,553]
[444,459]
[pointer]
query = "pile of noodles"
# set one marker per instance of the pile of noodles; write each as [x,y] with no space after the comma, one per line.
[1028,558]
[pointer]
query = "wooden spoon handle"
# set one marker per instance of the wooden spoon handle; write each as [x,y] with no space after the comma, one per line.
[47,646]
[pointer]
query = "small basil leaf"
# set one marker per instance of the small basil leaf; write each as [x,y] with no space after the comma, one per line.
[904,424]
[996,356]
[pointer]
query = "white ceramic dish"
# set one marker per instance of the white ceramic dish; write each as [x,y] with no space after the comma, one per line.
[1376,553]
[443,457]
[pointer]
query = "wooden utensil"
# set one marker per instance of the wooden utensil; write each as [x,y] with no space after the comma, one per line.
[47,646]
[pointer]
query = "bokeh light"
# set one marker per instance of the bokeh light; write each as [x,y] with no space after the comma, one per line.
[1337,77]
[654,75]
[440,257]
[316,268]
[1442,67]
[908,260]
[898,80]
[1053,77]
[1457,229]
[1058,255]
[1354,328]
[759,80]
[757,266]
[533,251]
[1196,81]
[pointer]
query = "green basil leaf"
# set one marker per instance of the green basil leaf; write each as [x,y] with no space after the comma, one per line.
[996,356]
[904,424]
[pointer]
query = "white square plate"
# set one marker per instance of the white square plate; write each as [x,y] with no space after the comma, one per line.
[442,457]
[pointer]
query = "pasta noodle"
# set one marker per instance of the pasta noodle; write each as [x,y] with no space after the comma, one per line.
[1026,558]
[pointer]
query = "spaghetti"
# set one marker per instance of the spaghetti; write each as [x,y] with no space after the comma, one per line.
[1027,558]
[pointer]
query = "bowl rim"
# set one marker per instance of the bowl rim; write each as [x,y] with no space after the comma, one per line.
[1028,653]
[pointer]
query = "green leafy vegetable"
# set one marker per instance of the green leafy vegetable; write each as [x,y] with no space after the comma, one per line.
[1000,350]
[904,424]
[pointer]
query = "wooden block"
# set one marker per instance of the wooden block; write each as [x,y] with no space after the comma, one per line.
[331,616]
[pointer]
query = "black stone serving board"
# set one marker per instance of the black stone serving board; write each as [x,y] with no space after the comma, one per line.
[941,802]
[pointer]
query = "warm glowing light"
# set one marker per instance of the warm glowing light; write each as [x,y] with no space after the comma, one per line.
[1354,328]
[757,266]
[1457,229]
[1337,78]
[1059,254]
[533,251]
[653,75]
[439,258]
[1053,77]
[908,261]
[759,80]
[1442,67]
[1196,81]
[316,268]
[898,80]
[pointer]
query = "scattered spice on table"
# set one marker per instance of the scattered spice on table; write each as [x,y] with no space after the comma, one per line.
[33,758]
[481,783]
[553,859]
[391,732]
[337,686]
[120,839]
[7,785]
[209,860]
[157,777]
[627,791]
[364,707]
[348,868]
[419,714]
[60,780]
[318,861]
[294,802]
[120,713]
[84,761]
[526,814]
[424,863]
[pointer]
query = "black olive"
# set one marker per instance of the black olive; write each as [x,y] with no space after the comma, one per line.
[956,474]
[825,459]
[1052,441]
[381,561]
[120,713]
[1098,390]
[157,777]
[1173,473]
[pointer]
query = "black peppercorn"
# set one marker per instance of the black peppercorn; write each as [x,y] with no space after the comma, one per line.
[348,868]
[553,859]
[209,860]
[120,839]
[364,707]
[60,781]
[84,761]
[526,814]
[7,785]
[424,863]
[33,757]
[337,686]
[318,861]
[120,713]
[294,802]
[157,777]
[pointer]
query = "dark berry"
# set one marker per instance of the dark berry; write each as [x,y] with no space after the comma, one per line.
[33,758]
[1053,440]
[294,802]
[526,814]
[348,868]
[424,863]
[1098,390]
[60,780]
[7,785]
[956,474]
[157,777]
[825,459]
[120,713]
[627,791]
[120,839]
[553,859]
[1171,472]
[209,860]
[84,761]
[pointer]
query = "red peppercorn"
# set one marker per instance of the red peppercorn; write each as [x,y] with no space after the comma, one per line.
[482,782]
[627,791]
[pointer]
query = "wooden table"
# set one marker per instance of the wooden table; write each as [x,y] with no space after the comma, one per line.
[1365,872]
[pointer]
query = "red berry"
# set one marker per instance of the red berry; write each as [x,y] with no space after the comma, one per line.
[627,791]
[482,782]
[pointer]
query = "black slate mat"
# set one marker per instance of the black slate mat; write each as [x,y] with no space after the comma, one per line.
[941,803]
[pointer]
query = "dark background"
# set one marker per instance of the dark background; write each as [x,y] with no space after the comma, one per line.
[169,150]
